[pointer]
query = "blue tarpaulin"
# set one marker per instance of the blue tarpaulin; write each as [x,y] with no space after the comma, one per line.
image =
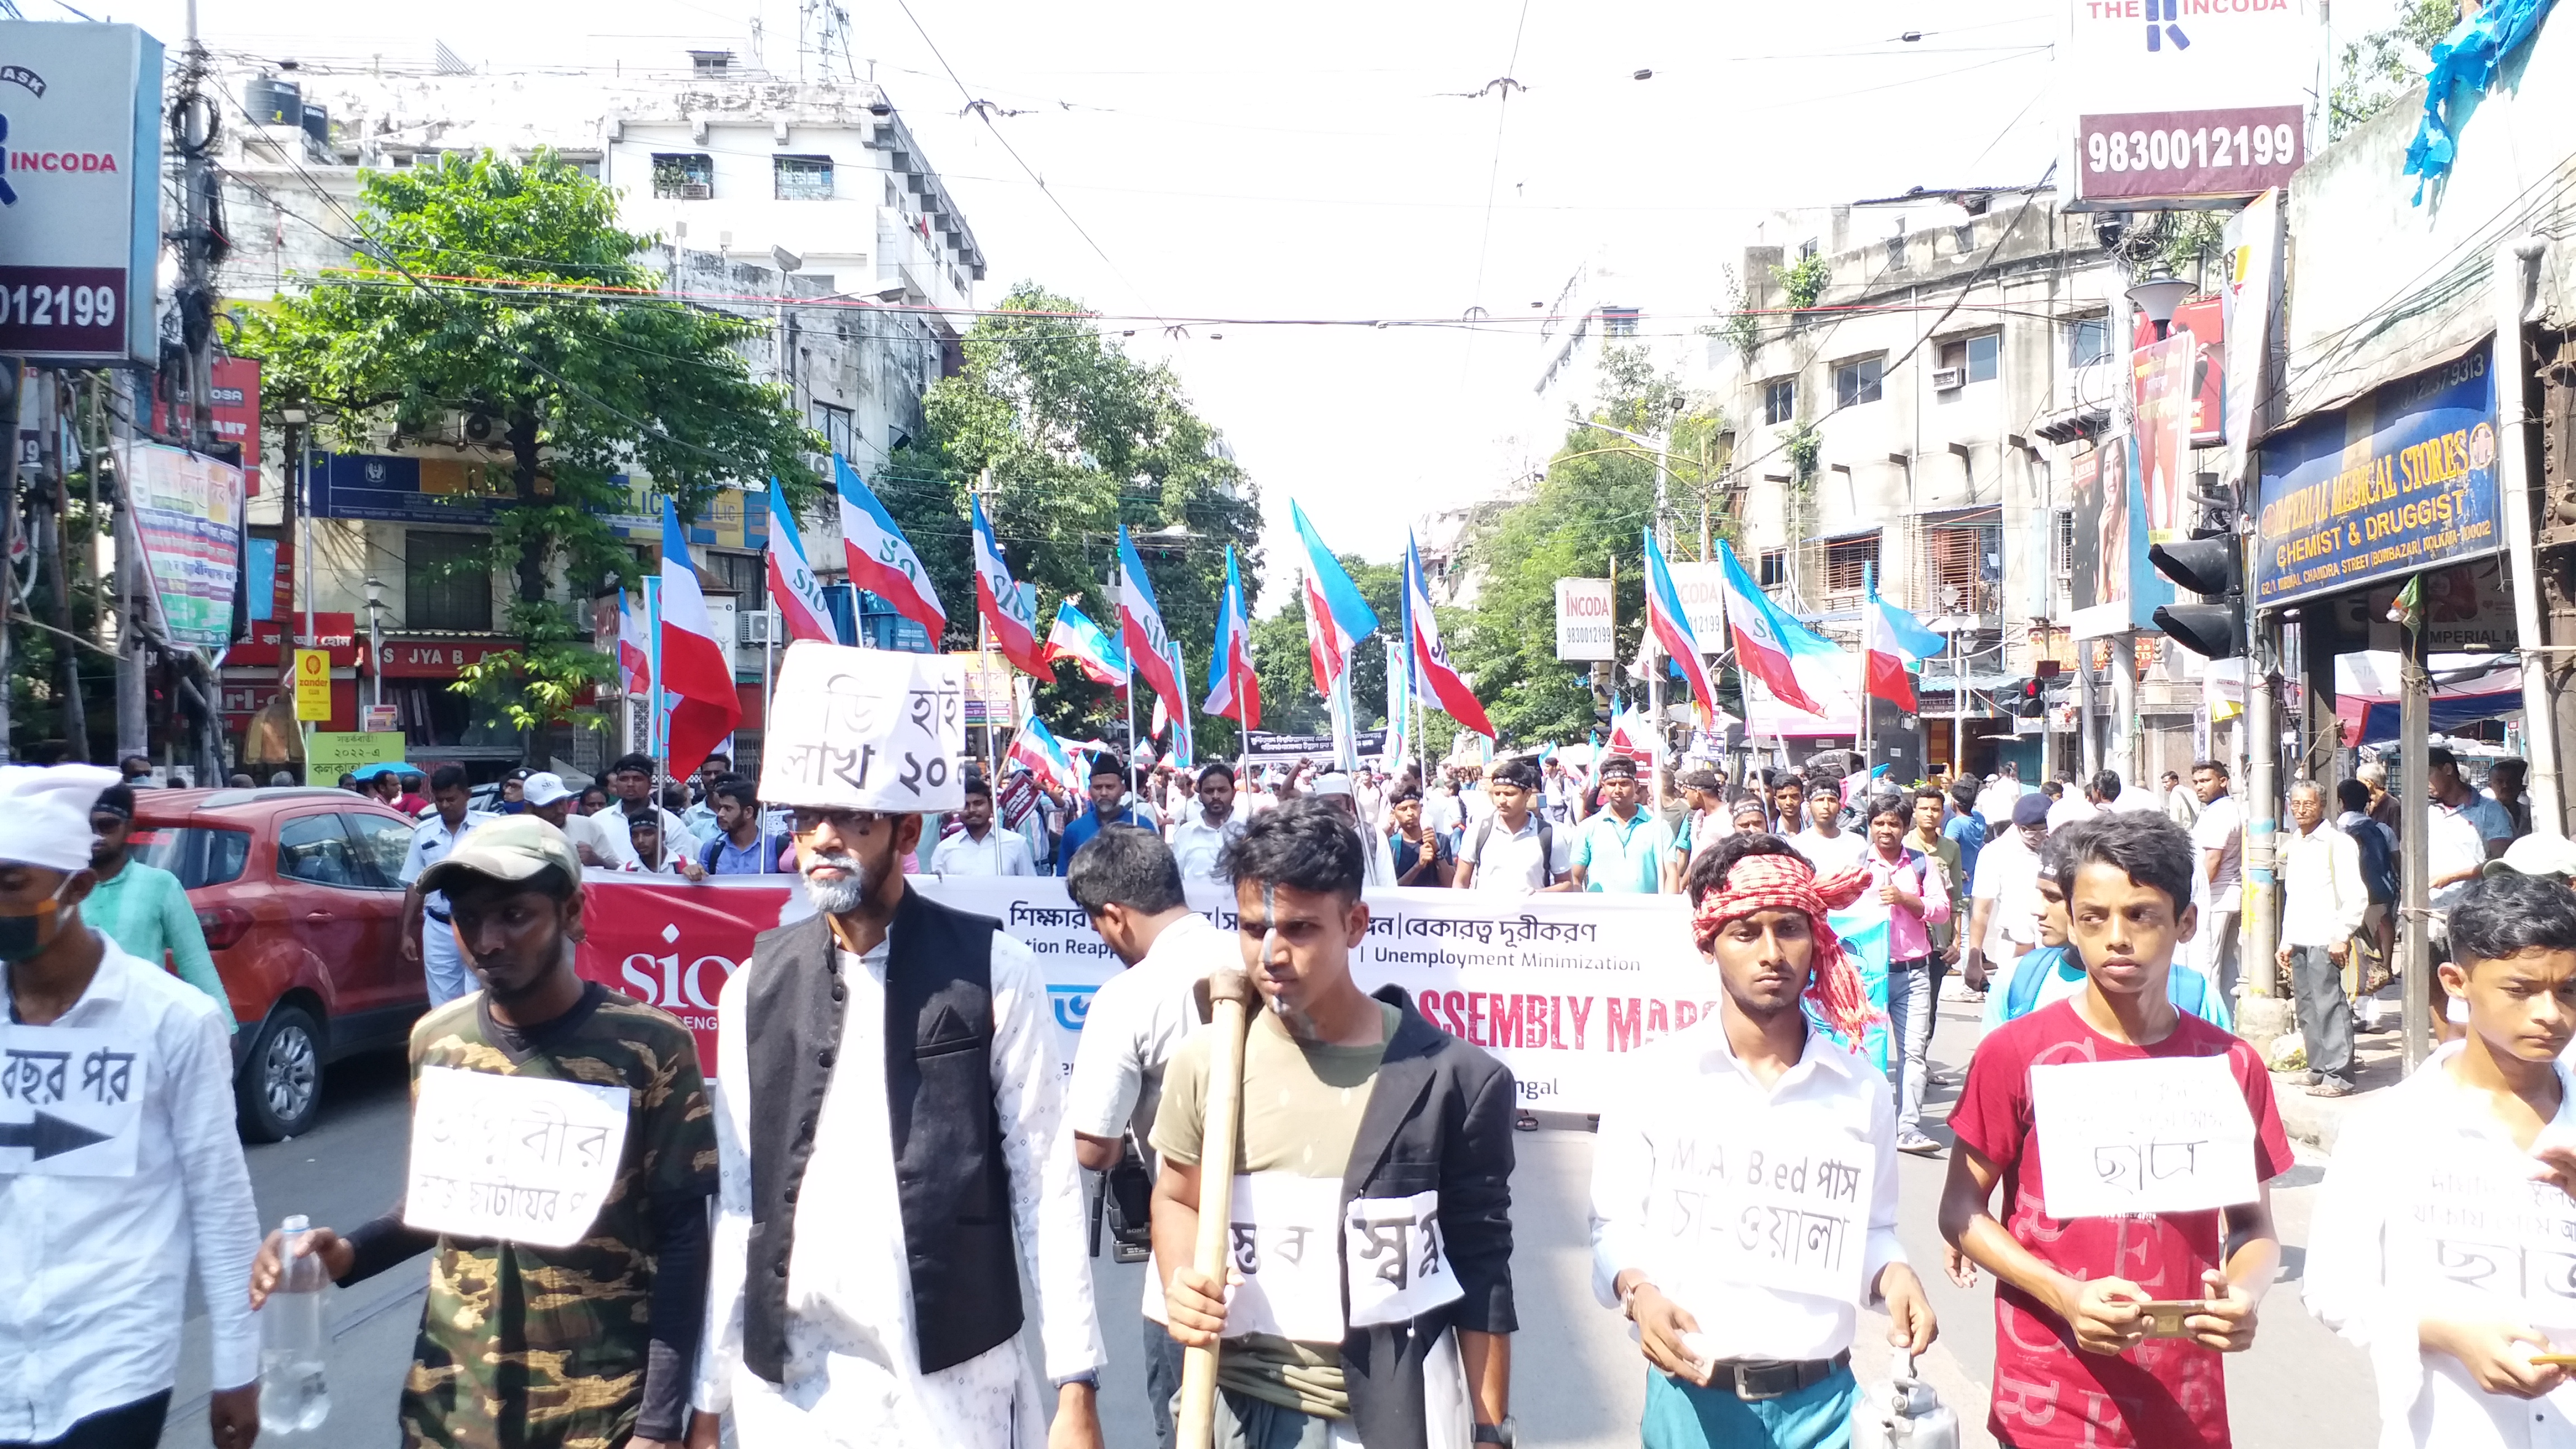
[2467,57]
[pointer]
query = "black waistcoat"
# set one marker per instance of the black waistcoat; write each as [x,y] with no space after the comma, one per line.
[950,1178]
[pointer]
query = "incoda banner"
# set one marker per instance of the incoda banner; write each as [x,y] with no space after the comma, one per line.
[1560,987]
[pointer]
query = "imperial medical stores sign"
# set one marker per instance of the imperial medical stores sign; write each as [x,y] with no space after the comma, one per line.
[2401,481]
[80,207]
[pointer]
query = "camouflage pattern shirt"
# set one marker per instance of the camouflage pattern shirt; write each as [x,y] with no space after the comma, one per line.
[548,1348]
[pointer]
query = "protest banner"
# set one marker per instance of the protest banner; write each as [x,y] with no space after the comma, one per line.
[865,729]
[2156,1135]
[71,1101]
[520,1159]
[1560,987]
[2478,1225]
[1744,1205]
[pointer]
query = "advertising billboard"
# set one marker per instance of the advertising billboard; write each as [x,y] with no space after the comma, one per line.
[188,513]
[80,198]
[1583,620]
[2187,101]
[2400,480]
[2115,589]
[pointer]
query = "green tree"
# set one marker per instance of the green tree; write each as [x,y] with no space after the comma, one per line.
[1289,701]
[2376,71]
[1068,437]
[560,343]
[1588,513]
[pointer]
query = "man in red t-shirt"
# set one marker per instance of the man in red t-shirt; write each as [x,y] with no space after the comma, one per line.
[2073,1363]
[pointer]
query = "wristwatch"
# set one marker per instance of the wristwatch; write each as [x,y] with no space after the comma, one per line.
[1505,1433]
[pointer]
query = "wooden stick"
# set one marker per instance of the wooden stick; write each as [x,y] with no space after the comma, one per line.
[1230,1004]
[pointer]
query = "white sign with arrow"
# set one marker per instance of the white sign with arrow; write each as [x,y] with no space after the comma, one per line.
[71,1101]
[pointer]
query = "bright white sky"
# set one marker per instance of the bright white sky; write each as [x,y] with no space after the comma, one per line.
[1302,162]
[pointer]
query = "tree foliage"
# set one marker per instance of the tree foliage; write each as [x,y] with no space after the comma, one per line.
[1069,437]
[1289,701]
[583,372]
[2374,72]
[1587,516]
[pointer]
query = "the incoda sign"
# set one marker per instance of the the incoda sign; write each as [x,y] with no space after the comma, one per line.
[2184,100]
[1583,619]
[80,174]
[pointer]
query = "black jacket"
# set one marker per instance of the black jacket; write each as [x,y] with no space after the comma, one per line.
[1439,1117]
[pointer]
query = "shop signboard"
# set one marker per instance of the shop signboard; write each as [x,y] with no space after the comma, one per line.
[80,196]
[329,754]
[2400,480]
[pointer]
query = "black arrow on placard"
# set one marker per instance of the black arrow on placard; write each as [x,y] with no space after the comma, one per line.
[48,1135]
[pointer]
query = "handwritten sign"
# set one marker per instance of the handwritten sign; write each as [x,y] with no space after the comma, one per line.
[1742,1207]
[520,1159]
[865,729]
[2481,1228]
[1391,1251]
[71,1101]
[2161,1135]
[1282,1234]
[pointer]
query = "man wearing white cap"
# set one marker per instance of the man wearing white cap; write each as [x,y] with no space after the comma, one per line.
[552,801]
[1379,858]
[892,1159]
[118,1159]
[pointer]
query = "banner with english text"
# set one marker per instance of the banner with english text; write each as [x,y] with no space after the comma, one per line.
[1560,987]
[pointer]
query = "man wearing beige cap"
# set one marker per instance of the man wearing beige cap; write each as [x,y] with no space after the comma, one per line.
[606,1227]
[891,1116]
[118,1161]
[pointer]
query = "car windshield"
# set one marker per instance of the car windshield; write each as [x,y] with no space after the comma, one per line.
[196,854]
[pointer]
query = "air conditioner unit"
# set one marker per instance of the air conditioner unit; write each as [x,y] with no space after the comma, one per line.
[695,191]
[1949,379]
[755,627]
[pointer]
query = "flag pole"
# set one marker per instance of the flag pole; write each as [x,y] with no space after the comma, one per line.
[654,743]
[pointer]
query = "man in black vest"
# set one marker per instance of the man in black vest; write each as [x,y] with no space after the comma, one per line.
[1372,1207]
[891,1159]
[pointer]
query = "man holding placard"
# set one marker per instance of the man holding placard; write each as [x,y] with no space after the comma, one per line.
[562,1155]
[890,1124]
[1371,1210]
[2444,1233]
[1755,1119]
[2132,1141]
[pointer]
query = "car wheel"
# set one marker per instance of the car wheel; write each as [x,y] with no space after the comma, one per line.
[281,1080]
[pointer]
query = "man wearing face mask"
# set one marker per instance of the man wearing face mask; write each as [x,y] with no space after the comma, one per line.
[118,1159]
[890,1129]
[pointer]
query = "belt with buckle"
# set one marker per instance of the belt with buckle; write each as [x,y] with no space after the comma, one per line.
[1755,1380]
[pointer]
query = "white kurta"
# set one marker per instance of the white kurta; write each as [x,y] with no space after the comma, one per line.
[853,1374]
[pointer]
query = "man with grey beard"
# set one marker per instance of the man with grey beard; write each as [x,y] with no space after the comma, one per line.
[889,1073]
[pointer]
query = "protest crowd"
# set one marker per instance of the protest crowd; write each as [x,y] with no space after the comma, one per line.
[814,1239]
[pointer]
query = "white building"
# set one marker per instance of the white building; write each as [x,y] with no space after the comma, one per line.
[807,206]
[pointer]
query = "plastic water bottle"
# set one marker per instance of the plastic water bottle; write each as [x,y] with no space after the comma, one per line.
[1904,1415]
[293,1396]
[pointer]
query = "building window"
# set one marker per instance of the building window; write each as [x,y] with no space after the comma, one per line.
[1956,579]
[1849,564]
[834,424]
[1975,359]
[803,178]
[1857,382]
[447,582]
[1775,567]
[683,175]
[1618,322]
[1806,248]
[2088,341]
[1779,400]
[744,573]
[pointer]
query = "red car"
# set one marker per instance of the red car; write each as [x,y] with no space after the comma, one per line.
[300,894]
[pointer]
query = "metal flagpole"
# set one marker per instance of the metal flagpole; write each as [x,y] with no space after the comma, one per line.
[768,672]
[655,745]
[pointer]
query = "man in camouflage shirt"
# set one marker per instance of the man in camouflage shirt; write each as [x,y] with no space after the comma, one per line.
[524,1347]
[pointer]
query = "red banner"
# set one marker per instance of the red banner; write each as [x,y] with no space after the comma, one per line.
[670,944]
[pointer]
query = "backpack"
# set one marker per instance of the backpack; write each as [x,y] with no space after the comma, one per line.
[2378,862]
[1546,846]
[2029,974]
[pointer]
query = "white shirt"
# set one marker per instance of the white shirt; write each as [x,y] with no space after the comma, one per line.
[94,1270]
[2008,874]
[580,830]
[853,1368]
[1689,1096]
[1507,860]
[2218,828]
[1196,844]
[432,842]
[2386,1151]
[1000,852]
[2322,893]
[1135,1022]
[2454,842]
[1996,801]
[2071,809]
[1839,851]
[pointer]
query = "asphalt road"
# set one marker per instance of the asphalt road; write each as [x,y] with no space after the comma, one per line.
[1578,1382]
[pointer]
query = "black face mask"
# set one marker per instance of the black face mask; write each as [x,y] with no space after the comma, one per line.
[22,937]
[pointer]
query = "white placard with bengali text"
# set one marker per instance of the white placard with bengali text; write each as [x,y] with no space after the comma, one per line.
[865,729]
[519,1159]
[71,1100]
[1391,1251]
[1284,1248]
[2158,1135]
[1737,1205]
[2477,1227]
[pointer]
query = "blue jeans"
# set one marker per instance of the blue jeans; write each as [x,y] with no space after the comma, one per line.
[1911,1006]
[1162,1378]
[1682,1415]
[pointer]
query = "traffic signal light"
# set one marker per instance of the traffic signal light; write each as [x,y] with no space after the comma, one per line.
[2213,568]
[2027,698]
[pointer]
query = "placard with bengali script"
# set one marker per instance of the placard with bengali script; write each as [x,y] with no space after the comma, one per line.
[519,1159]
[2158,1135]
